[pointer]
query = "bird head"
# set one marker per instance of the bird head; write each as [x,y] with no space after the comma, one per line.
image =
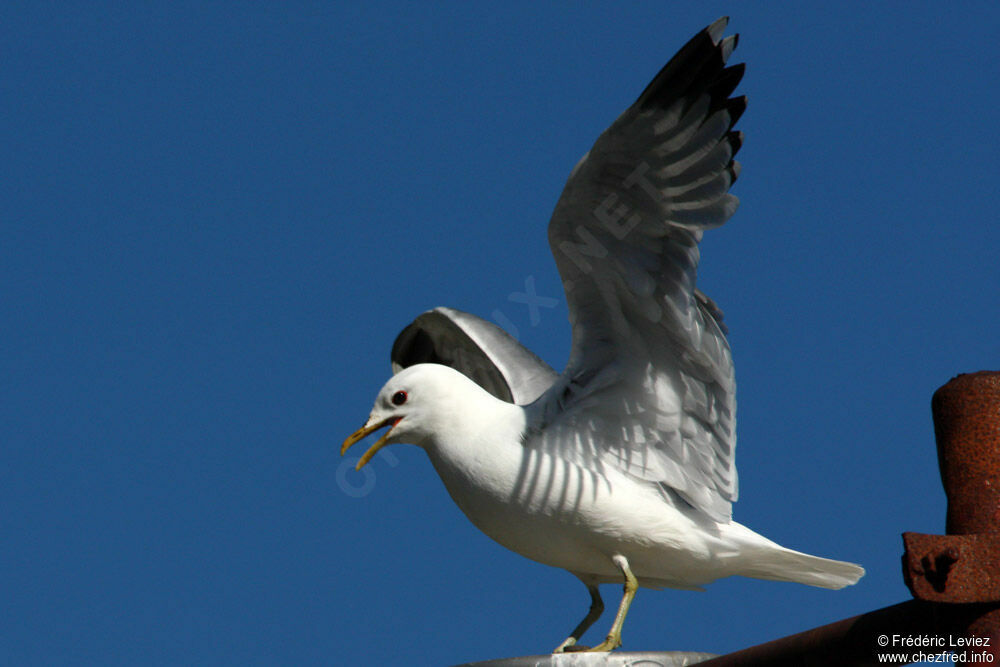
[412,404]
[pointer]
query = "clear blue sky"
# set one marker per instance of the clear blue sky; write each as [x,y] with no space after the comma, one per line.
[215,219]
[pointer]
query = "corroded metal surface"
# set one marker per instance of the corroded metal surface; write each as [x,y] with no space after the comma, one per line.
[953,568]
[967,428]
[964,565]
[858,640]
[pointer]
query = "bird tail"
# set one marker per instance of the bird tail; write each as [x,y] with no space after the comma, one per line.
[787,565]
[764,559]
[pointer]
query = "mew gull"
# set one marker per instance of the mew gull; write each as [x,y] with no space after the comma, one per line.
[621,468]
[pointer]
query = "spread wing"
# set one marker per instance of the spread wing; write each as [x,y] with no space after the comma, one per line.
[649,387]
[479,349]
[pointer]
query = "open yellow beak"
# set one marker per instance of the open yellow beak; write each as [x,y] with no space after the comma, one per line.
[364,432]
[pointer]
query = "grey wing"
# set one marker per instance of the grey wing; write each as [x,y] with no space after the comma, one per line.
[479,349]
[649,387]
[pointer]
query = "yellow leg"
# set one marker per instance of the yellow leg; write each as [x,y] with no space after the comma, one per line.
[595,611]
[614,639]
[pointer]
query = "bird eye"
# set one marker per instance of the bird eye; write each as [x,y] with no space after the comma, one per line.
[399,398]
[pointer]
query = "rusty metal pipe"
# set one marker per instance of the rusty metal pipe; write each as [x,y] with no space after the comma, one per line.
[967,428]
[964,565]
[859,640]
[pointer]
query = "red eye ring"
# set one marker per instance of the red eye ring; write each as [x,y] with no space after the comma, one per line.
[399,398]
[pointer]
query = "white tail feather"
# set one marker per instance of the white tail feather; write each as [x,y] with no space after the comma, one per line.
[781,564]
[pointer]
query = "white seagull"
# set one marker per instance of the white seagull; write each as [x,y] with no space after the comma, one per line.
[621,469]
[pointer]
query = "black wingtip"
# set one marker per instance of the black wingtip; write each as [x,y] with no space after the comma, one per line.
[735,140]
[701,63]
[734,172]
[735,107]
[727,80]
